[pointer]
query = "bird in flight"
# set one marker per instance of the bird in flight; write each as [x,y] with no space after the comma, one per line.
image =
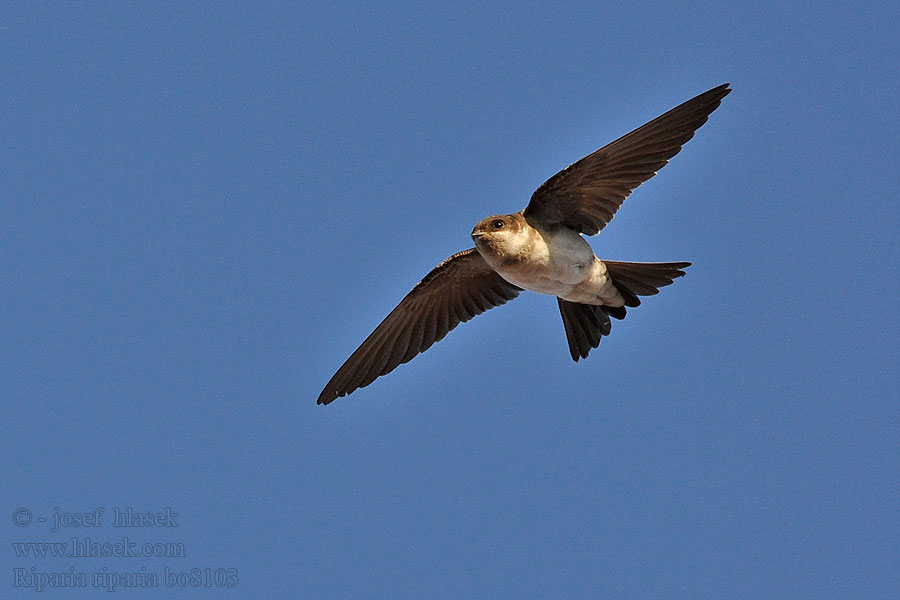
[540,249]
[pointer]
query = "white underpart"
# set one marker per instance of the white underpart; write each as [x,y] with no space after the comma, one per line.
[560,264]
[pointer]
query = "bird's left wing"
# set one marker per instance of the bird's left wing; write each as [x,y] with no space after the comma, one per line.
[585,195]
[456,290]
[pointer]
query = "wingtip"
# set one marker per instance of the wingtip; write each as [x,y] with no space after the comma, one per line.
[680,272]
[717,93]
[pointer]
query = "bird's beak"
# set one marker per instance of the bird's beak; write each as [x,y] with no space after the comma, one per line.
[476,233]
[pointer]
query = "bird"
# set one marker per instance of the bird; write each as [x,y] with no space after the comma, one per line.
[541,249]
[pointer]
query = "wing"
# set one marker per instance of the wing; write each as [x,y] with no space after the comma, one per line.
[585,195]
[455,291]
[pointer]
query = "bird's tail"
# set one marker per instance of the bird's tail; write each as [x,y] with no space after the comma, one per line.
[634,279]
[585,323]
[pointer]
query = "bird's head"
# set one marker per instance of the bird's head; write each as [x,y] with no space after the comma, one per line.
[502,235]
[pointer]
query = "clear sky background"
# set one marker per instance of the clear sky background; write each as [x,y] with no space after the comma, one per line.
[206,209]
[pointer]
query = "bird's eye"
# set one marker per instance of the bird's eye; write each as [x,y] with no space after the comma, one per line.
[498,224]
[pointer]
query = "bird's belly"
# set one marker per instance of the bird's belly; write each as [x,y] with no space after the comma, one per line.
[559,263]
[584,282]
[540,284]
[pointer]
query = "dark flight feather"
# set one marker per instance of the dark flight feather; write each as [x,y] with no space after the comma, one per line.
[458,289]
[586,195]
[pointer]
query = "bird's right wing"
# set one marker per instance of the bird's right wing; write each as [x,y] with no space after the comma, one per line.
[456,290]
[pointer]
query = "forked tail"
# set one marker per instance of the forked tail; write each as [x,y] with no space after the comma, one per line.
[586,324]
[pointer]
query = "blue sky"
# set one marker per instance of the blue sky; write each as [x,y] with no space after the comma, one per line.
[206,209]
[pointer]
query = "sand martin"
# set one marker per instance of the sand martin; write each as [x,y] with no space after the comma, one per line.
[540,249]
